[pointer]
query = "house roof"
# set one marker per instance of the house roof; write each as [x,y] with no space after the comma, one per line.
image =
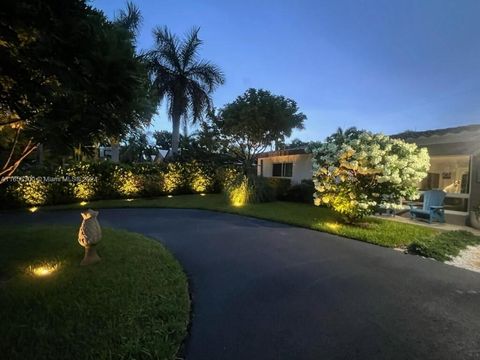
[410,135]
[284,152]
[458,148]
[460,140]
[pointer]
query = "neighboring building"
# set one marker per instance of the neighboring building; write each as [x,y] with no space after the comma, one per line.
[293,164]
[454,158]
[454,166]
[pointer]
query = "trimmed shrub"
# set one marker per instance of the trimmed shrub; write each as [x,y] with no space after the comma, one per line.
[106,180]
[32,190]
[241,189]
[279,186]
[174,179]
[200,179]
[262,190]
[302,192]
[84,182]
[126,182]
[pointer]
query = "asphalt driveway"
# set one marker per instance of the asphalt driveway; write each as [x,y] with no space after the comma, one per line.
[263,290]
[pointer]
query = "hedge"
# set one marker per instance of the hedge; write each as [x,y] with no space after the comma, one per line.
[84,181]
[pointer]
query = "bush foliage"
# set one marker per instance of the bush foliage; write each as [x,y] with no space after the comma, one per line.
[241,189]
[302,192]
[356,172]
[88,181]
[106,180]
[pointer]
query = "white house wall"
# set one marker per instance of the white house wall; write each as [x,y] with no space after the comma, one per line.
[302,166]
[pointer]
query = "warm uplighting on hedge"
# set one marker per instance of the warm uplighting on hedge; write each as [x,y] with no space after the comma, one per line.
[33,209]
[173,177]
[200,182]
[127,182]
[84,190]
[82,182]
[44,269]
[32,191]
[239,194]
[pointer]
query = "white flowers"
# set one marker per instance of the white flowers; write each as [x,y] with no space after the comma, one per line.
[353,176]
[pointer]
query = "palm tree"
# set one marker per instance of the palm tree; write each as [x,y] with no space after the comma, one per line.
[178,76]
[341,136]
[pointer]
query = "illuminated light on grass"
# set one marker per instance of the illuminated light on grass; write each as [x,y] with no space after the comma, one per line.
[333,226]
[33,209]
[83,203]
[43,270]
[129,200]
[202,194]
[169,196]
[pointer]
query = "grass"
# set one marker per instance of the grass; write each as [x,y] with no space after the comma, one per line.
[377,231]
[444,246]
[133,304]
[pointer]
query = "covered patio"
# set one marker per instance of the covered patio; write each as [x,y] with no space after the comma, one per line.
[455,168]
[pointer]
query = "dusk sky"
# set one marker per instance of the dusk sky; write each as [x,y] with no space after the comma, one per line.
[385,66]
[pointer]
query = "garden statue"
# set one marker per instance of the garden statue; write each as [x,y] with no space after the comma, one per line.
[89,235]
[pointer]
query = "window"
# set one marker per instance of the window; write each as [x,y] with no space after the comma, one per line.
[277,170]
[261,167]
[450,174]
[287,169]
[282,170]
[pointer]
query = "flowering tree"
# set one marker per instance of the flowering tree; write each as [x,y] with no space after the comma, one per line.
[358,171]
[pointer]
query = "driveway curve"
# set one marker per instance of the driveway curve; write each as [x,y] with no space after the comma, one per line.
[263,290]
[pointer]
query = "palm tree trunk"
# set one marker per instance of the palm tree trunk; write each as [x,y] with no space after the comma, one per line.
[175,134]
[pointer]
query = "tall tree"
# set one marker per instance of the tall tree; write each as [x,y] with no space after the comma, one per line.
[341,136]
[296,143]
[181,78]
[254,121]
[68,76]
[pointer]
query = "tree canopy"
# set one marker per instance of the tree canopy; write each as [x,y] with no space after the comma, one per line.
[181,78]
[255,120]
[70,76]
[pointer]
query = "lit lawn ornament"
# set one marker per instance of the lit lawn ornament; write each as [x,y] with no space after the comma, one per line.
[89,235]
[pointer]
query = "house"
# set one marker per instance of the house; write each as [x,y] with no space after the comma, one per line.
[454,167]
[454,158]
[294,164]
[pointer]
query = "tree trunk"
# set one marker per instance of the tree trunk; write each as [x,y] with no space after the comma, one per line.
[175,135]
[185,128]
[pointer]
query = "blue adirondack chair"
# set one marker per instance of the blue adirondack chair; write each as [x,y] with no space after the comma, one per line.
[432,208]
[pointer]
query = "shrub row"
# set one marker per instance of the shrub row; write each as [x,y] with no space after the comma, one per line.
[106,180]
[85,181]
[241,189]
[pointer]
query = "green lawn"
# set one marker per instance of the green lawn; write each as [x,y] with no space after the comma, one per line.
[133,304]
[380,232]
[444,246]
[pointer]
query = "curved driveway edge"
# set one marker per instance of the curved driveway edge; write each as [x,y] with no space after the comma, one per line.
[263,290]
